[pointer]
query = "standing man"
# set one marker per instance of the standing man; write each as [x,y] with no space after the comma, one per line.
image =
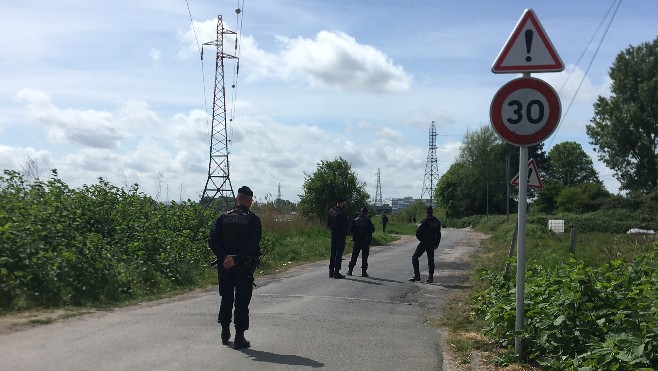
[384,221]
[338,223]
[235,240]
[429,235]
[361,230]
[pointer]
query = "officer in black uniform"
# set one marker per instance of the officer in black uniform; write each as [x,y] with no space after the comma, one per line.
[338,222]
[235,240]
[361,230]
[429,235]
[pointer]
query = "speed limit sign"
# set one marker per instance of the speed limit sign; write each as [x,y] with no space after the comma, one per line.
[525,111]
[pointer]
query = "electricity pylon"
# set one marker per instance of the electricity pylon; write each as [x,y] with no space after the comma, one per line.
[431,168]
[219,181]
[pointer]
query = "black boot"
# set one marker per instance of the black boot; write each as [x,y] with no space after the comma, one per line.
[226,335]
[240,342]
[338,276]
[349,271]
[331,273]
[429,279]
[364,273]
[416,265]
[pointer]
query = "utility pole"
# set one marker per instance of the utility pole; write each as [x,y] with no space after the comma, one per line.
[219,181]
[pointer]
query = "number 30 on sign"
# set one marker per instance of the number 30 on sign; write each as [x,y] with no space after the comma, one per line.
[525,111]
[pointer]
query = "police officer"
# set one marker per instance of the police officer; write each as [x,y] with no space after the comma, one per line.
[429,235]
[338,222]
[235,240]
[361,230]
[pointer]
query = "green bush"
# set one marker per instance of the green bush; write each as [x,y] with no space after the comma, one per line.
[579,317]
[98,244]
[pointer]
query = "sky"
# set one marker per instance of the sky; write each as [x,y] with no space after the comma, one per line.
[117,89]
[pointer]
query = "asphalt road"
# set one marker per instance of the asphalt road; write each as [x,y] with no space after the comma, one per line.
[300,319]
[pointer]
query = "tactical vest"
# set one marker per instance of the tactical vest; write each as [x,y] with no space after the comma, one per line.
[235,229]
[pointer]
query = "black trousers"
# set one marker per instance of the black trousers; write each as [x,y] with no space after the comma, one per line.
[360,247]
[337,250]
[420,249]
[235,289]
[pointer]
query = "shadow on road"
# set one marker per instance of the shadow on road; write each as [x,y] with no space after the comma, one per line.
[384,279]
[283,359]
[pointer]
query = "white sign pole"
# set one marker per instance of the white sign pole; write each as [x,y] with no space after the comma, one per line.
[520,252]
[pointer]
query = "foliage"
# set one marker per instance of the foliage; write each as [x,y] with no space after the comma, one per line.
[603,220]
[477,183]
[569,165]
[580,317]
[625,126]
[98,244]
[331,180]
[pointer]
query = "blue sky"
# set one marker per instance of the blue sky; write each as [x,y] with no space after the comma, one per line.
[117,89]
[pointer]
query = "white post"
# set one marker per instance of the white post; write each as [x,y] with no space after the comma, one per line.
[520,250]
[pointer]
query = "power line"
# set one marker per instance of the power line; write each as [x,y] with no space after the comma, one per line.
[598,47]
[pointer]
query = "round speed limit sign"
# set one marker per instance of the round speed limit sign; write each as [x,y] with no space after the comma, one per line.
[525,111]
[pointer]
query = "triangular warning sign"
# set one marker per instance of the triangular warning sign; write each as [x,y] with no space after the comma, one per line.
[528,49]
[533,176]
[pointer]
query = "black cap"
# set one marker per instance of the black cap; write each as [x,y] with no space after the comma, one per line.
[364,210]
[340,199]
[244,190]
[430,210]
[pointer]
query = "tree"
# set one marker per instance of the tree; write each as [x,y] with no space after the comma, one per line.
[569,165]
[331,180]
[584,197]
[625,126]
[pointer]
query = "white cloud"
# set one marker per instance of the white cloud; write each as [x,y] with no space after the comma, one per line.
[89,128]
[331,59]
[155,55]
[338,60]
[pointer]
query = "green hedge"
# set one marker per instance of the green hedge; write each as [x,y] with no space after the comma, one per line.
[98,244]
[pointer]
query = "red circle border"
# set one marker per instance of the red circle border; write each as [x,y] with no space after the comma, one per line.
[554,111]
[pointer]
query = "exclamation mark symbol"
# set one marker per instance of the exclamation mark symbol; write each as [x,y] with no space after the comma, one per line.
[528,44]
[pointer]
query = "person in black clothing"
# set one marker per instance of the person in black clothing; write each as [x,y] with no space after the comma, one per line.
[235,240]
[338,223]
[429,235]
[384,221]
[361,230]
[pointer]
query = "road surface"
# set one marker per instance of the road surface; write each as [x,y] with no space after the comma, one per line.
[300,319]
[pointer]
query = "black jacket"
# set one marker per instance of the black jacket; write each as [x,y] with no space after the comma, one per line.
[338,221]
[429,231]
[237,232]
[361,230]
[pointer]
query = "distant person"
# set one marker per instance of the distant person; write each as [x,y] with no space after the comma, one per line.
[429,235]
[339,223]
[384,221]
[235,239]
[413,219]
[361,230]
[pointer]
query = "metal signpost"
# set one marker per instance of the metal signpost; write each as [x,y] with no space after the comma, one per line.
[524,112]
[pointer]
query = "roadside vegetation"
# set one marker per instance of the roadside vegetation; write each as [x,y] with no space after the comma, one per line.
[102,246]
[596,309]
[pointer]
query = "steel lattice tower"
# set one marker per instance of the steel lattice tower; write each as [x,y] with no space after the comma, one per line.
[219,182]
[378,190]
[431,167]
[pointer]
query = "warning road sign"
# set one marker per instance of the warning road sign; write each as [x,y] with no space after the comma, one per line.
[528,49]
[533,176]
